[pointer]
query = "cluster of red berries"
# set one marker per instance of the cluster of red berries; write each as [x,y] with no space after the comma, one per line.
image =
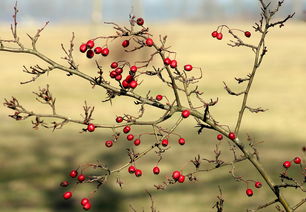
[173,64]
[296,160]
[133,170]
[177,176]
[231,136]
[129,81]
[219,35]
[87,47]
[249,192]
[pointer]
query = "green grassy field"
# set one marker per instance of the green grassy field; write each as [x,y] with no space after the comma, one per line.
[33,162]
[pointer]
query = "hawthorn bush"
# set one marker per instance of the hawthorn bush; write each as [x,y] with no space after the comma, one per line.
[124,78]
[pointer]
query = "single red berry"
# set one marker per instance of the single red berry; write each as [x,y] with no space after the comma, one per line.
[181,179]
[181,141]
[90,54]
[129,78]
[185,113]
[109,143]
[132,169]
[81,177]
[113,74]
[98,50]
[133,84]
[119,119]
[156,170]
[137,142]
[114,65]
[64,184]
[67,195]
[125,43]
[125,84]
[176,175]
[286,164]
[126,129]
[119,70]
[87,206]
[84,201]
[118,77]
[249,192]
[167,61]
[159,97]
[91,127]
[105,51]
[219,137]
[247,34]
[73,173]
[231,135]
[133,69]
[130,137]
[173,64]
[138,172]
[297,160]
[258,184]
[165,142]
[214,34]
[140,21]
[219,36]
[188,67]
[149,42]
[83,48]
[90,44]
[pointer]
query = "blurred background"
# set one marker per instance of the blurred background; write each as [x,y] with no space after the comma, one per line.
[34,162]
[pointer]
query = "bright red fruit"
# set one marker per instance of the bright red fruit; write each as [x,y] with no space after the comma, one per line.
[176,175]
[181,141]
[214,34]
[247,34]
[81,177]
[167,61]
[73,173]
[138,172]
[181,179]
[173,64]
[119,119]
[67,195]
[84,201]
[132,169]
[126,129]
[125,84]
[90,54]
[105,51]
[118,77]
[165,142]
[231,135]
[258,184]
[114,65]
[188,67]
[133,69]
[159,97]
[119,70]
[98,50]
[130,137]
[286,164]
[87,206]
[83,48]
[125,43]
[137,142]
[185,113]
[297,160]
[109,143]
[219,137]
[140,21]
[91,127]
[133,84]
[156,170]
[149,42]
[219,36]
[249,192]
[90,44]
[113,74]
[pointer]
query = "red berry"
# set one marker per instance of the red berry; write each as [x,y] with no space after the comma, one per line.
[105,51]
[64,184]
[137,142]
[159,97]
[84,201]
[130,137]
[231,135]
[90,44]
[140,21]
[87,206]
[114,65]
[126,129]
[133,84]
[109,143]
[173,64]
[98,50]
[129,78]
[165,142]
[83,48]
[73,173]
[119,70]
[188,67]
[132,169]
[181,179]
[67,195]
[125,43]
[297,160]
[113,74]
[91,127]
[258,184]
[247,34]
[119,119]
[219,137]
[149,42]
[125,84]
[214,34]
[81,177]
[249,192]
[176,175]
[167,61]
[138,172]
[181,141]
[219,36]
[133,69]
[156,170]
[286,164]
[185,113]
[118,77]
[90,54]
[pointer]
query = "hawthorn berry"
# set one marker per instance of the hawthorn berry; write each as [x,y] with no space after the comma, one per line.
[129,78]
[90,44]
[119,119]
[81,177]
[181,141]
[83,48]
[167,61]
[247,34]
[297,160]
[231,135]
[132,169]
[113,74]
[181,179]
[173,64]
[118,77]
[149,42]
[125,43]
[114,65]
[258,184]
[138,172]
[73,173]
[188,67]
[286,164]
[219,36]
[90,54]
[125,84]
[87,206]
[105,51]
[98,50]
[84,201]
[165,142]
[140,21]
[133,69]
[91,127]
[214,34]
[109,143]
[219,137]
[133,84]
[64,183]
[185,113]
[130,137]
[67,195]
[159,97]
[156,170]
[137,142]
[249,192]
[126,129]
[176,175]
[119,70]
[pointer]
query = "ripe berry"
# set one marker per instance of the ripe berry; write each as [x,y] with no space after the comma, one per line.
[214,34]
[165,142]
[156,170]
[185,113]
[130,137]
[84,201]
[129,78]
[249,192]
[114,65]
[125,43]
[258,184]
[159,97]
[133,69]
[118,77]
[133,84]
[125,84]
[126,129]
[119,119]
[219,137]
[109,143]
[219,36]
[83,48]
[167,61]
[247,34]
[98,50]
[137,142]
[73,173]
[176,175]
[149,42]
[119,70]
[181,179]
[173,64]
[113,74]
[90,54]
[87,206]
[138,172]
[81,177]
[105,51]
[91,127]
[140,21]
[286,164]
[132,169]
[181,141]
[188,67]
[90,44]
[64,184]
[231,135]
[67,195]
[297,160]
